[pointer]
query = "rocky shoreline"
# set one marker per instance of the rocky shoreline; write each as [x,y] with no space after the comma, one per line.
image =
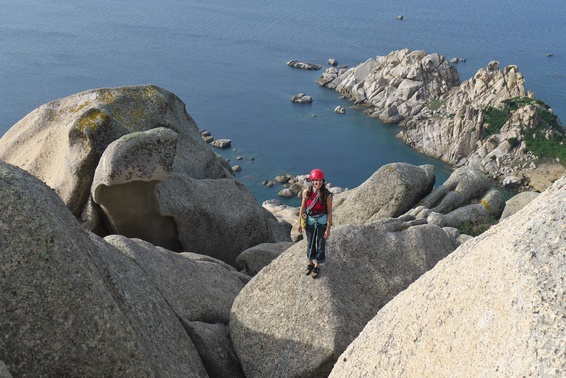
[445,118]
[457,122]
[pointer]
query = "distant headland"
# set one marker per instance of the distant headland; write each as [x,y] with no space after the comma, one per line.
[488,122]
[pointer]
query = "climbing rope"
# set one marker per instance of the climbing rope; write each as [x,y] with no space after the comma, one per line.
[284,370]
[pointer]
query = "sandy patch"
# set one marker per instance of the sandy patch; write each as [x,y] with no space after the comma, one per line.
[544,175]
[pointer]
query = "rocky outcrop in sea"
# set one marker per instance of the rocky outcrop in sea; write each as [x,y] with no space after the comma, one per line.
[303,65]
[486,122]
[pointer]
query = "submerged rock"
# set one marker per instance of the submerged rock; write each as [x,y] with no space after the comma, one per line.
[301,98]
[340,110]
[221,143]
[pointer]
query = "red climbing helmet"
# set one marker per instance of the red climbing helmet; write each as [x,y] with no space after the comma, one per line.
[316,174]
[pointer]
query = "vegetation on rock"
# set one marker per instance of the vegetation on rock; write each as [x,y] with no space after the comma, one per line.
[477,227]
[495,119]
[433,104]
[536,140]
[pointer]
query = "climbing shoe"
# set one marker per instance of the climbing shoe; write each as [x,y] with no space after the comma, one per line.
[315,272]
[309,269]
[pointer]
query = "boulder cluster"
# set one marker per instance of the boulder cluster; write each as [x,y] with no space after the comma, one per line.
[293,186]
[448,119]
[301,98]
[74,304]
[403,292]
[131,161]
[493,307]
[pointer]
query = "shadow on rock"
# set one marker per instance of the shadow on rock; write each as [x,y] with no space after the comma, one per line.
[367,266]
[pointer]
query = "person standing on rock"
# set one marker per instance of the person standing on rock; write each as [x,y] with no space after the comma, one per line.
[317,204]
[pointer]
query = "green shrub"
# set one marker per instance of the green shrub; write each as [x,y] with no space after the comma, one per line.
[477,227]
[433,104]
[495,118]
[518,102]
[539,146]
[540,102]
[550,119]
[537,142]
[514,142]
[542,148]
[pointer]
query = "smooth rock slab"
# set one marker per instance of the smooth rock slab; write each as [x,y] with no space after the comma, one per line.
[221,143]
[58,315]
[196,290]
[281,308]
[494,307]
[303,65]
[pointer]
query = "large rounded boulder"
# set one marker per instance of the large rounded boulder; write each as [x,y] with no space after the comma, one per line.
[121,160]
[71,304]
[284,323]
[391,191]
[61,142]
[494,307]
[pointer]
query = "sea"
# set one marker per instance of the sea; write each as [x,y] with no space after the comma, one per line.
[227,61]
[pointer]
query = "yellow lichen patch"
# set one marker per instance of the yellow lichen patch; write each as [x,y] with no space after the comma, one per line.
[79,107]
[328,353]
[141,104]
[91,120]
[137,114]
[130,116]
[149,91]
[486,205]
[106,95]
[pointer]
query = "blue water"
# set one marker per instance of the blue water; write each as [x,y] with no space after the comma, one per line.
[227,61]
